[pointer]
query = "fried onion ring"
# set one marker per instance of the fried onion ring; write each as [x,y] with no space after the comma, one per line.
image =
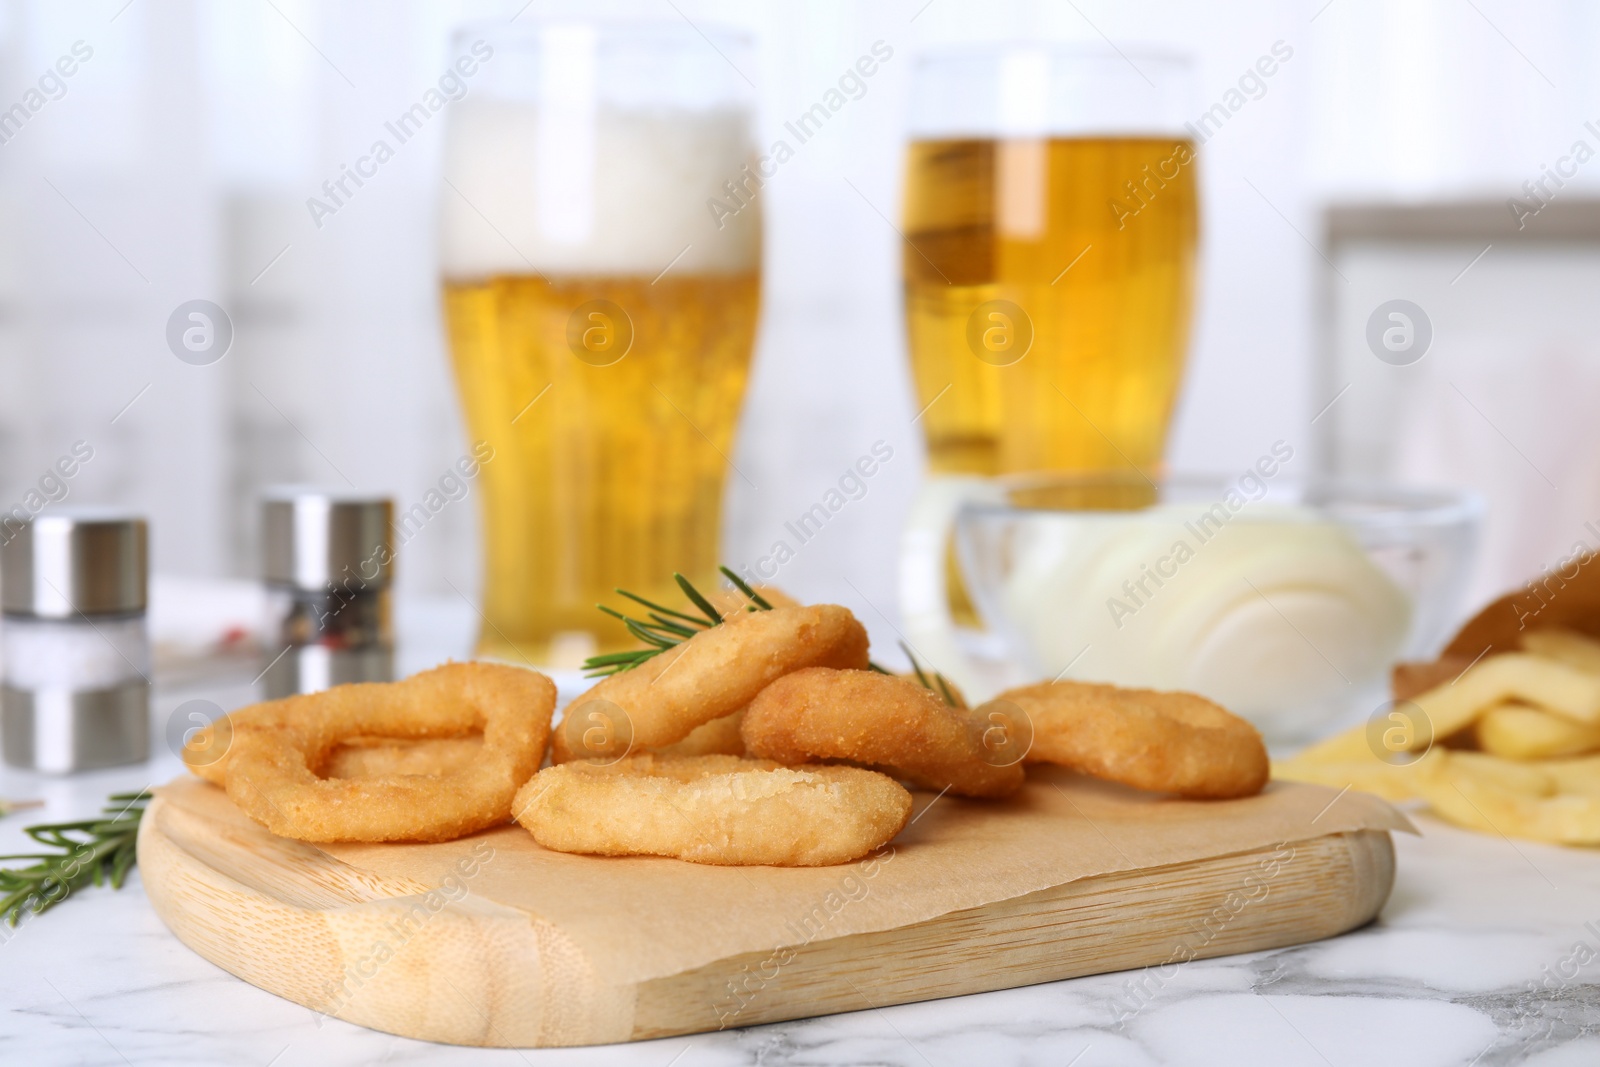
[719,737]
[373,757]
[713,809]
[1166,742]
[879,721]
[269,768]
[712,674]
[205,751]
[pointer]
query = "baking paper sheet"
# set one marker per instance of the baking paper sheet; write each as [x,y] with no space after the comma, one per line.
[638,918]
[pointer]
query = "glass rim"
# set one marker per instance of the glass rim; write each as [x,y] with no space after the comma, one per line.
[1408,505]
[1078,50]
[1023,88]
[609,27]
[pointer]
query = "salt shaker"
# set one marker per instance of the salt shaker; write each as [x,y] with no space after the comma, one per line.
[328,570]
[74,650]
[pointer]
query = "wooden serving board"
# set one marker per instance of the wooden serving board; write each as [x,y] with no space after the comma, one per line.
[494,941]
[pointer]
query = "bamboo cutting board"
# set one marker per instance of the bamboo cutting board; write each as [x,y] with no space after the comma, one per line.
[493,941]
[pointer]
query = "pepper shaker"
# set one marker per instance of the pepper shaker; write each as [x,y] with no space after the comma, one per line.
[328,569]
[74,650]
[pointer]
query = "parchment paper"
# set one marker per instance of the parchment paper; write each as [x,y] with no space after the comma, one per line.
[643,918]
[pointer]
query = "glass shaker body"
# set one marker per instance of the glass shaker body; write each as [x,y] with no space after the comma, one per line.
[74,648]
[328,569]
[323,638]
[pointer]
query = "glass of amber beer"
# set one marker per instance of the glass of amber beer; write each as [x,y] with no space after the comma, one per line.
[600,315]
[1050,222]
[1050,217]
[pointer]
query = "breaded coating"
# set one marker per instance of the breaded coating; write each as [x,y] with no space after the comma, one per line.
[881,721]
[1166,742]
[719,737]
[269,771]
[713,809]
[374,757]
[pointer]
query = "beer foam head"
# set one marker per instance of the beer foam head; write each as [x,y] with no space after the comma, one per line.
[595,189]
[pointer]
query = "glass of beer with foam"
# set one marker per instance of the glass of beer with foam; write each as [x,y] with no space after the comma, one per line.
[1050,222]
[601,249]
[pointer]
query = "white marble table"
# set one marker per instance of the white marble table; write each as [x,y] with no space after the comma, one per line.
[1463,968]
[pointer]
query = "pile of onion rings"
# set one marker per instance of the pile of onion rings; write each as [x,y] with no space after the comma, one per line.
[714,674]
[765,736]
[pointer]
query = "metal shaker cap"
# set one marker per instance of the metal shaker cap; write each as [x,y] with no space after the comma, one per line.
[71,560]
[317,537]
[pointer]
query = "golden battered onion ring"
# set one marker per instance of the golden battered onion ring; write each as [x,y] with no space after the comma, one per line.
[212,771]
[938,683]
[713,809]
[374,757]
[712,674]
[880,721]
[719,737]
[269,769]
[205,751]
[1166,742]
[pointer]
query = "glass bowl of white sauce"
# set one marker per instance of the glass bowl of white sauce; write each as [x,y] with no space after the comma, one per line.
[1286,601]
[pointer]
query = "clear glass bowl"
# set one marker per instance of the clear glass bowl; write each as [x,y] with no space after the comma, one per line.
[1285,600]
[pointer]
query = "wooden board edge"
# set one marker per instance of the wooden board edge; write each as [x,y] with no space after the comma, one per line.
[488,975]
[436,966]
[1206,908]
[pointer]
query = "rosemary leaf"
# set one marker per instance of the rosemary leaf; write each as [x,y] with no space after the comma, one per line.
[695,598]
[653,606]
[915,666]
[944,688]
[610,658]
[745,588]
[672,627]
[643,632]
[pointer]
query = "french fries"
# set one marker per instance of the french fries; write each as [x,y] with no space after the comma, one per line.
[1574,775]
[1520,676]
[1565,646]
[1506,797]
[1517,731]
[1524,710]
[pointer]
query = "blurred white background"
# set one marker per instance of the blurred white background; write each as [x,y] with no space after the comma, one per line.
[177,162]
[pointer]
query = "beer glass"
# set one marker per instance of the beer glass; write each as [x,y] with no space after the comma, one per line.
[1050,217]
[1050,222]
[600,244]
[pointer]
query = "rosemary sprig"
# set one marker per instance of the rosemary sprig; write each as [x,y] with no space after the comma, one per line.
[667,628]
[91,851]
